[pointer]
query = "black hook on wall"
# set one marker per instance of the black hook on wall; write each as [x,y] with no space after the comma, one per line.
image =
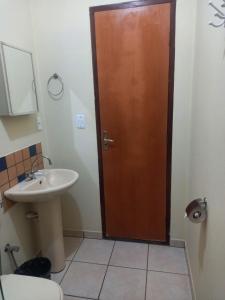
[219,14]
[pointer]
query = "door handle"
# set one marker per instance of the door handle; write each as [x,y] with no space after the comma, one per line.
[106,140]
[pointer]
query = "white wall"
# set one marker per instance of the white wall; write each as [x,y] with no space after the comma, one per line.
[16,133]
[184,59]
[63,45]
[206,242]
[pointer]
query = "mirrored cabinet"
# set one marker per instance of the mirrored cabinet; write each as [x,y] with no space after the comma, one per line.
[17,82]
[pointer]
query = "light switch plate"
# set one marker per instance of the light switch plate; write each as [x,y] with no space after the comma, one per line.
[1,204]
[39,123]
[80,121]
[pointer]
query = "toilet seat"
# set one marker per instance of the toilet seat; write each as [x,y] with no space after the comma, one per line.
[17,287]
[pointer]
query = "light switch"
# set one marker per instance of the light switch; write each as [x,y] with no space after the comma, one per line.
[1,204]
[80,121]
[39,123]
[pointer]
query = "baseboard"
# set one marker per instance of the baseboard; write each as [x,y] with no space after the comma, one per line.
[93,235]
[190,272]
[98,235]
[83,234]
[38,254]
[73,233]
[177,243]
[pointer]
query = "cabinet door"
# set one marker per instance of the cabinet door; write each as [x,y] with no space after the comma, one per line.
[20,80]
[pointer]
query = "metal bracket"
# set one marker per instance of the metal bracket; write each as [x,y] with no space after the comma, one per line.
[10,250]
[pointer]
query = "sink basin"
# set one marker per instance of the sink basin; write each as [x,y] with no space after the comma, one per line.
[49,183]
[44,193]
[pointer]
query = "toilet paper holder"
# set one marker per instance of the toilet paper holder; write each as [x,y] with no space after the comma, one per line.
[196,211]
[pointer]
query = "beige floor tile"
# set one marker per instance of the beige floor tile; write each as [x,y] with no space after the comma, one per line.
[167,259]
[57,277]
[133,255]
[71,246]
[83,280]
[94,251]
[124,284]
[168,286]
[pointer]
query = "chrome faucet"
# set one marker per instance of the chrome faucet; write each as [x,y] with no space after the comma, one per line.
[31,175]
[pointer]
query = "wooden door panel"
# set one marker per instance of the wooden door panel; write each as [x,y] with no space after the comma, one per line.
[132,51]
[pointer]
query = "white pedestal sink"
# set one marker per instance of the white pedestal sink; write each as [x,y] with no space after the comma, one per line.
[44,192]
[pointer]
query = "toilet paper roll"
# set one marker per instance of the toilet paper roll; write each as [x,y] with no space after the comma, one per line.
[196,211]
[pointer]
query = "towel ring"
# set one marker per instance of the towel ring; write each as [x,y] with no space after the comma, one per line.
[55,96]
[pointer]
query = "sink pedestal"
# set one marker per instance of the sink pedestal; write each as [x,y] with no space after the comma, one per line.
[44,192]
[51,232]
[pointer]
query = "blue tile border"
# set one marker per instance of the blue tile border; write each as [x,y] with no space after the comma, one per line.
[3,165]
[33,150]
[13,159]
[21,177]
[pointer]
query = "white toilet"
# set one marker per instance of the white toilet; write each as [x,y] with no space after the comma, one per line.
[17,287]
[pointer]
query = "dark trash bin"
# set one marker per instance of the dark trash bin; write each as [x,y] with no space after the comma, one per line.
[37,267]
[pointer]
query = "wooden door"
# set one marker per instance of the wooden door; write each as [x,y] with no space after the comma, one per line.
[133,71]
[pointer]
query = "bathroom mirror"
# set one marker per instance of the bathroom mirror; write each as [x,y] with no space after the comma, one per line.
[17,82]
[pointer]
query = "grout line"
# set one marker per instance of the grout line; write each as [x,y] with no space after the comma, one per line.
[70,264]
[132,268]
[125,267]
[90,263]
[146,280]
[81,297]
[65,273]
[77,248]
[106,270]
[169,272]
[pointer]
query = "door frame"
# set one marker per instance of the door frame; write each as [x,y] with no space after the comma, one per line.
[125,5]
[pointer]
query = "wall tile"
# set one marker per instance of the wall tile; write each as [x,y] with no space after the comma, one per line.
[10,160]
[3,164]
[39,148]
[26,153]
[13,168]
[12,172]
[27,165]
[41,166]
[21,177]
[39,158]
[18,156]
[20,169]
[34,162]
[6,203]
[33,158]
[3,177]
[32,150]
[4,187]
[13,182]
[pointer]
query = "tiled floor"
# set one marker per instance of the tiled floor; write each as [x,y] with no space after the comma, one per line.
[108,270]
